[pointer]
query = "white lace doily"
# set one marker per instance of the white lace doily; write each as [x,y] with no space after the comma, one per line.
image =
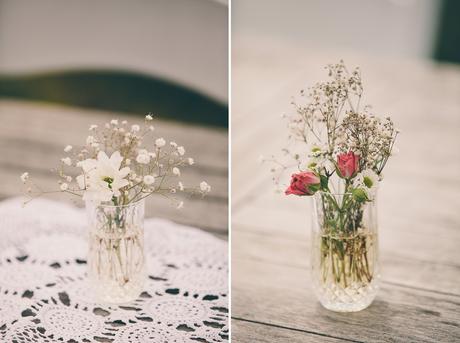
[44,296]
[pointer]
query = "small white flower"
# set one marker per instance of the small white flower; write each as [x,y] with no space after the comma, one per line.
[68,178]
[173,144]
[92,127]
[160,142]
[176,171]
[64,187]
[149,179]
[205,187]
[102,178]
[173,190]
[151,128]
[181,186]
[369,181]
[143,159]
[190,161]
[114,122]
[135,128]
[24,177]
[68,148]
[181,150]
[127,161]
[180,205]
[67,161]
[148,117]
[90,140]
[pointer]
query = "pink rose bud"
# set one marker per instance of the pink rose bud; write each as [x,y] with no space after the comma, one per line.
[301,184]
[348,164]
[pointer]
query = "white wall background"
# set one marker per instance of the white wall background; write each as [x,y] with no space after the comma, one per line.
[397,28]
[182,40]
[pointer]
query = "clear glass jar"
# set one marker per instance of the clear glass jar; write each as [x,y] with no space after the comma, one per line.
[344,252]
[116,251]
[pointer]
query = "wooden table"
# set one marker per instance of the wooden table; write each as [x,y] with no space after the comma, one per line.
[419,204]
[33,136]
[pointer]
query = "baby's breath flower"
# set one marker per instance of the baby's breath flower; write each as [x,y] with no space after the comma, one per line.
[181,150]
[143,158]
[135,128]
[114,122]
[127,161]
[190,161]
[148,117]
[176,171]
[67,161]
[24,177]
[173,190]
[205,188]
[151,128]
[90,140]
[64,187]
[160,142]
[181,186]
[92,127]
[180,205]
[149,179]
[68,148]
[173,144]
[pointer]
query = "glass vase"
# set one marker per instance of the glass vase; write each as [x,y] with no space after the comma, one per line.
[116,251]
[344,252]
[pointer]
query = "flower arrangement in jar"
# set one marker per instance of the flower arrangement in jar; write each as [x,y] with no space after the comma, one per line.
[119,166]
[340,151]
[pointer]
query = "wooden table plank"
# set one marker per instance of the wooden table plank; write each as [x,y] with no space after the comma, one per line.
[281,295]
[258,332]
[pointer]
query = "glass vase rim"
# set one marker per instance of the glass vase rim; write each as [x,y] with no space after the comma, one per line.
[131,204]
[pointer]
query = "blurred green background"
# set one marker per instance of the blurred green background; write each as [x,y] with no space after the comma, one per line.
[117,91]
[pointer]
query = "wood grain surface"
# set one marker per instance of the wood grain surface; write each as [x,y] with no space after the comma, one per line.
[419,203]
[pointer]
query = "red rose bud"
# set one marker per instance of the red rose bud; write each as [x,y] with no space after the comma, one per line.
[348,164]
[306,183]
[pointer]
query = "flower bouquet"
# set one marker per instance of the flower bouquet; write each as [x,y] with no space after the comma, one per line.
[120,166]
[341,151]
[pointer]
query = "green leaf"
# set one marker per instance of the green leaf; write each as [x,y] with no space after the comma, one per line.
[324,182]
[359,195]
